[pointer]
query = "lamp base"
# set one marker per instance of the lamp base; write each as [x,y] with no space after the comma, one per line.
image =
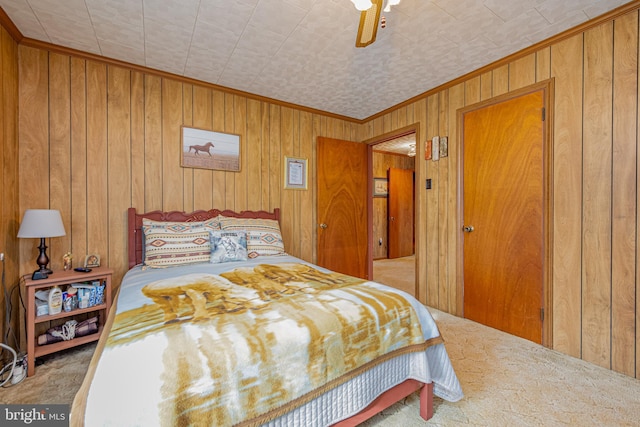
[39,274]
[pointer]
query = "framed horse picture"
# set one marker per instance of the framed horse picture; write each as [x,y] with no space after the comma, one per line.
[205,149]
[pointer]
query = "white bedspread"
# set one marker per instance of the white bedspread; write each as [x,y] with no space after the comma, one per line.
[128,381]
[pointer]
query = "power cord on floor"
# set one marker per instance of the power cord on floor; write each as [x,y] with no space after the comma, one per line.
[12,372]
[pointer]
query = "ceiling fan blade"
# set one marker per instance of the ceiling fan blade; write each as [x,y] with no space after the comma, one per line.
[368,27]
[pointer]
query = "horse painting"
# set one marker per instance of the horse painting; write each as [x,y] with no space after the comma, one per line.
[204,148]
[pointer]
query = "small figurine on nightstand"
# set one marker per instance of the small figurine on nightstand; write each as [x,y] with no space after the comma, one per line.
[92,260]
[67,261]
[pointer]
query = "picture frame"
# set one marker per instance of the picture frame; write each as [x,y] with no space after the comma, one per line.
[444,146]
[380,187]
[92,261]
[206,149]
[295,173]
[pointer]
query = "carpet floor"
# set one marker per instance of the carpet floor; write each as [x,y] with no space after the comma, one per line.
[507,381]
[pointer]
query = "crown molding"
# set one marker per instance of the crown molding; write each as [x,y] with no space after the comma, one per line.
[11,28]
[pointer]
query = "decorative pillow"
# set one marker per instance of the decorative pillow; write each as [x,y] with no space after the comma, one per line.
[263,235]
[167,249]
[212,224]
[228,246]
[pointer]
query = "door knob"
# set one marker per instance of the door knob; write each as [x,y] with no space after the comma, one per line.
[468,228]
[323,225]
[392,218]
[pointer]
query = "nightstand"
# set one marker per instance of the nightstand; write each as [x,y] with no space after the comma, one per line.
[62,279]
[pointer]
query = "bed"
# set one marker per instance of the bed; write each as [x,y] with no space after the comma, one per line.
[228,329]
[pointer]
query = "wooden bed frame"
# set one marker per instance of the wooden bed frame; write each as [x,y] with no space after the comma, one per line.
[386,399]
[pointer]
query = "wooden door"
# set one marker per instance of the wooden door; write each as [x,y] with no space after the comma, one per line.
[503,190]
[342,206]
[400,213]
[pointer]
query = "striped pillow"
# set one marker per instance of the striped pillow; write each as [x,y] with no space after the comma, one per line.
[168,249]
[263,235]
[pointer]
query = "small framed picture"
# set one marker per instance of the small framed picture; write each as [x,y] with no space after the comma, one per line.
[444,146]
[380,187]
[92,260]
[295,173]
[427,150]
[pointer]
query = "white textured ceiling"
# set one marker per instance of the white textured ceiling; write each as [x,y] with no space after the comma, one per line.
[303,51]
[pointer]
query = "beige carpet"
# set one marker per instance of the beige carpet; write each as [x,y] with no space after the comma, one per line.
[398,272]
[507,381]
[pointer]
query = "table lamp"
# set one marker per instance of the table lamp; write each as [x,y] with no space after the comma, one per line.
[40,224]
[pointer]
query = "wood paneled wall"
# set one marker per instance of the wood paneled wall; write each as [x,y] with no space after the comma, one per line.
[96,139]
[381,164]
[595,185]
[9,212]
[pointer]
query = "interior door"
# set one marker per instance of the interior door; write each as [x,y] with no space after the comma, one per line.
[401,213]
[342,206]
[503,215]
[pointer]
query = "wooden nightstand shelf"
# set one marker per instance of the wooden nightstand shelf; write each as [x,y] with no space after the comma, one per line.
[62,278]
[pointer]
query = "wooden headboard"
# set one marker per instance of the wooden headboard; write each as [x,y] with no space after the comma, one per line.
[135,235]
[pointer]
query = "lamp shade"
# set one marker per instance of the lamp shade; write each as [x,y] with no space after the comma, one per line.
[38,223]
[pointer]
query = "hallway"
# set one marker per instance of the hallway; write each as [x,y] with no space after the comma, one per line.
[399,273]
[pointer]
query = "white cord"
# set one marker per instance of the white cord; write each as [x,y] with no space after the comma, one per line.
[13,364]
[68,331]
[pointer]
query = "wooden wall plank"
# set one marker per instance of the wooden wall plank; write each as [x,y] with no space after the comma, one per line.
[97,154]
[60,152]
[307,199]
[566,69]
[187,173]
[202,178]
[472,91]
[275,164]
[287,198]
[596,196]
[219,177]
[172,178]
[433,218]
[137,140]
[420,166]
[624,197]
[78,186]
[229,127]
[34,134]
[152,144]
[253,155]
[9,179]
[118,167]
[265,172]
[240,128]
[543,64]
[522,72]
[444,215]
[456,101]
[500,82]
[486,85]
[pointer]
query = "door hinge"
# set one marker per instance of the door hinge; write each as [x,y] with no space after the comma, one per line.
[542,314]
[544,114]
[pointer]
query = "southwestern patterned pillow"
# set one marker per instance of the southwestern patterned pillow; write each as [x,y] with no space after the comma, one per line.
[212,224]
[263,235]
[167,249]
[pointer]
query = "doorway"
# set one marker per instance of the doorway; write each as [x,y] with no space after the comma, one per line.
[505,207]
[393,212]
